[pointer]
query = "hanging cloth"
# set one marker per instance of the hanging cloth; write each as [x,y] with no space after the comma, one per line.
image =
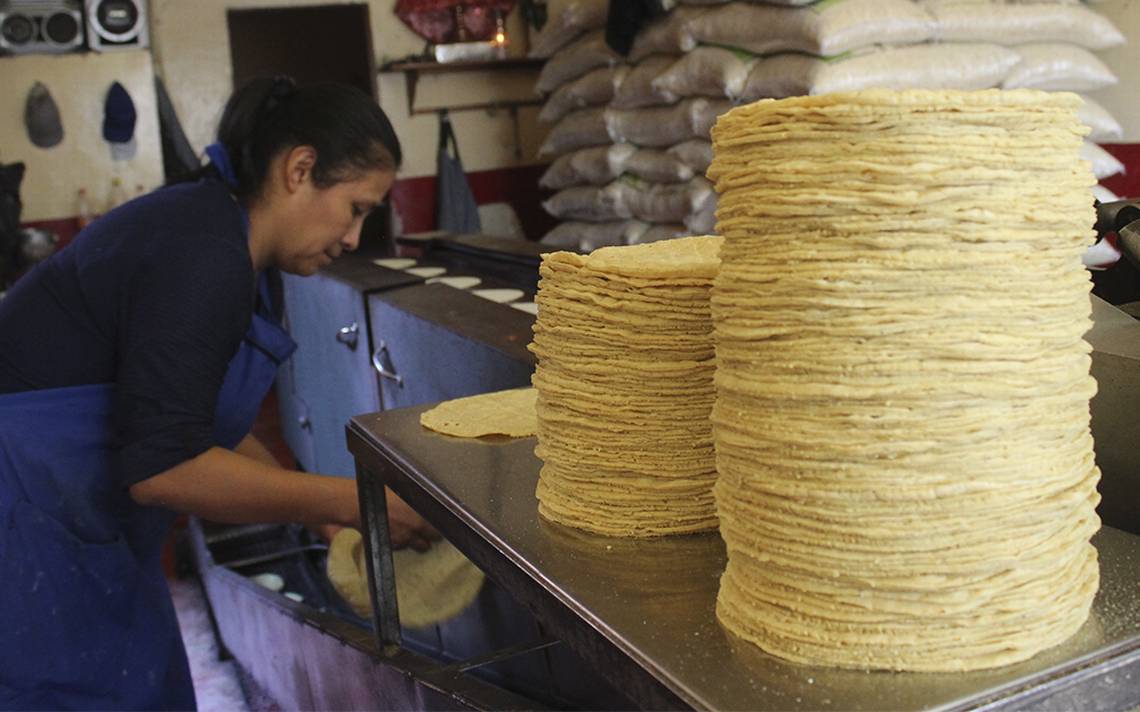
[455,208]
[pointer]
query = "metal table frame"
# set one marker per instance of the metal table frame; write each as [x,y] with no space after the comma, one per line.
[1099,668]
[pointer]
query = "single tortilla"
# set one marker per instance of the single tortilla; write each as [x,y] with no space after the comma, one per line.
[431,586]
[510,413]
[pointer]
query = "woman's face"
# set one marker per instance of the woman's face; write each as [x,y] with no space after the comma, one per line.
[323,222]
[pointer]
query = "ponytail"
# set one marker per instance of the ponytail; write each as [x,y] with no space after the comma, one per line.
[350,132]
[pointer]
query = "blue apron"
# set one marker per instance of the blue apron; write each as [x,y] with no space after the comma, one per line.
[86,619]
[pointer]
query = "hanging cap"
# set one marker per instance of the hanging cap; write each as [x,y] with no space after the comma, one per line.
[41,115]
[118,115]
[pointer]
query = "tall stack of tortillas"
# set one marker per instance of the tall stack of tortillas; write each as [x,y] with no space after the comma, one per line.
[906,475]
[625,388]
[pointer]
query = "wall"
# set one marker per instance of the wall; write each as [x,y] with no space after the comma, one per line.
[196,68]
[78,82]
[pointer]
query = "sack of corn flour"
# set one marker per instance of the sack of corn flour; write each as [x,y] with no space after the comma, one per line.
[657,166]
[1056,66]
[1015,23]
[596,165]
[565,21]
[707,71]
[594,88]
[828,29]
[587,236]
[588,52]
[578,129]
[637,89]
[589,203]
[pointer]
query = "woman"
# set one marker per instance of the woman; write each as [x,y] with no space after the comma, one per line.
[132,364]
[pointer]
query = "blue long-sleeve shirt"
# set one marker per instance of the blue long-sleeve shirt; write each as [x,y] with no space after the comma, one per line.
[154,297]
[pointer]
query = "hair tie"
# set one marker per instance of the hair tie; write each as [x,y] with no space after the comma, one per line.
[220,159]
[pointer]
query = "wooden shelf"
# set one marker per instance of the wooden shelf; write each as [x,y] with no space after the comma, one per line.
[426,67]
[412,71]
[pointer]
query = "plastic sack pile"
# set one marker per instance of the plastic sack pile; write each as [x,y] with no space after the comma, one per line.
[629,136]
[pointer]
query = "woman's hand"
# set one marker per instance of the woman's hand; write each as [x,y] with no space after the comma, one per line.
[406,528]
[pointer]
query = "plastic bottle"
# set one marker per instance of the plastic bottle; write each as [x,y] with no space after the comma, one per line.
[83,212]
[117,195]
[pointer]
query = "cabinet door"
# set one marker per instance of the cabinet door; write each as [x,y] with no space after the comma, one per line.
[433,363]
[331,370]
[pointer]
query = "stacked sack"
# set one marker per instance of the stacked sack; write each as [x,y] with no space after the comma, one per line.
[624,376]
[629,158]
[704,56]
[906,473]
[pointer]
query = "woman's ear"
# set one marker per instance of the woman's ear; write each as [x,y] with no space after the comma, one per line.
[299,163]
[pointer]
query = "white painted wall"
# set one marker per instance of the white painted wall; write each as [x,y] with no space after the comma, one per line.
[78,83]
[1123,100]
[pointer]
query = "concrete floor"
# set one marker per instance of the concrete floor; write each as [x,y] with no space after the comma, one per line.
[216,682]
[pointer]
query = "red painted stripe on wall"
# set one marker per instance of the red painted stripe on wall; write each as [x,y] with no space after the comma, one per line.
[414,198]
[1127,184]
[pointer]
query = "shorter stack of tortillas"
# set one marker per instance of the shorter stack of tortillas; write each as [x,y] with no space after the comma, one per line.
[625,387]
[902,417]
[431,586]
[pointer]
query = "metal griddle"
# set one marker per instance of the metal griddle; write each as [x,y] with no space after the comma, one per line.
[643,611]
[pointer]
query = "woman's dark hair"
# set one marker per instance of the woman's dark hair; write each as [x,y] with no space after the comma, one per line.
[349,131]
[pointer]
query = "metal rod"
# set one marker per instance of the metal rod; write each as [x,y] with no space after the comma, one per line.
[500,655]
[378,556]
[265,558]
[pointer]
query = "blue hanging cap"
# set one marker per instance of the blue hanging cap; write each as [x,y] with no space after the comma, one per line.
[220,157]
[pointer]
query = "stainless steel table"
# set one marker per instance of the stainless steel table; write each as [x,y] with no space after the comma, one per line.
[643,611]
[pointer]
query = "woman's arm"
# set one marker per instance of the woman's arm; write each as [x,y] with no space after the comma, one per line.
[232,487]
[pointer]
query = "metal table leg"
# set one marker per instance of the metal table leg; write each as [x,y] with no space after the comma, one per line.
[378,555]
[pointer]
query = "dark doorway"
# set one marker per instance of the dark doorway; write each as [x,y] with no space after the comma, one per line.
[324,43]
[310,44]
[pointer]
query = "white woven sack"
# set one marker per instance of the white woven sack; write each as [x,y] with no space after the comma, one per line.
[930,66]
[780,76]
[827,30]
[656,233]
[707,71]
[589,203]
[791,3]
[703,220]
[664,202]
[597,165]
[594,88]
[586,53]
[602,164]
[655,126]
[665,35]
[695,153]
[1014,23]
[578,129]
[637,89]
[657,166]
[590,236]
[1102,125]
[565,20]
[1054,66]
[1104,164]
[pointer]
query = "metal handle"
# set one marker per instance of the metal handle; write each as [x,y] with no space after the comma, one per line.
[304,421]
[378,364]
[348,335]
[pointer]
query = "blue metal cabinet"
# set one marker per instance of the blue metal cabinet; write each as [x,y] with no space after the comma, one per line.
[331,370]
[434,343]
